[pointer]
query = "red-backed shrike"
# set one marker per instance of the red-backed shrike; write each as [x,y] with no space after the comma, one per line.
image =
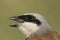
[35,27]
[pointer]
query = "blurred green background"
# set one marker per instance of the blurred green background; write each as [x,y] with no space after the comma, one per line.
[50,9]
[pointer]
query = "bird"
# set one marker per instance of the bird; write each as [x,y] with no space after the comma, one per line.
[34,26]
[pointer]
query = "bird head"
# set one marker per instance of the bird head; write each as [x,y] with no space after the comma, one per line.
[30,23]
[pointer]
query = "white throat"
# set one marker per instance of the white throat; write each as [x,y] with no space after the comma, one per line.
[28,28]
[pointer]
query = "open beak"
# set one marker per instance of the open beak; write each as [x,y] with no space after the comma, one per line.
[15,19]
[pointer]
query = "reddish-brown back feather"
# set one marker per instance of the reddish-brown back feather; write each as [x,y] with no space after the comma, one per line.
[46,36]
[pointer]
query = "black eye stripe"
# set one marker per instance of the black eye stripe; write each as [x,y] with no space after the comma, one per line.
[29,18]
